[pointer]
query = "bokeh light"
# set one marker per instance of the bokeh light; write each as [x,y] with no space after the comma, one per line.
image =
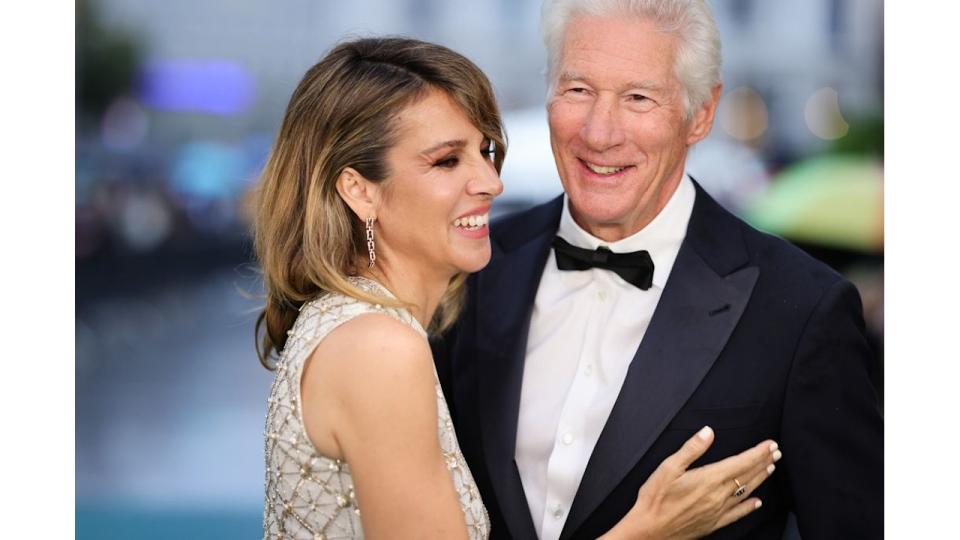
[218,87]
[124,125]
[743,114]
[823,116]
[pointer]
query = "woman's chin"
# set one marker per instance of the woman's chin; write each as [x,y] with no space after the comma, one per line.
[473,262]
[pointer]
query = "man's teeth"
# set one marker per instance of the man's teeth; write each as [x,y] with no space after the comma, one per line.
[472,222]
[603,170]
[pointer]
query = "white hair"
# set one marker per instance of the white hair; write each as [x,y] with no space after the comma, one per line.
[697,63]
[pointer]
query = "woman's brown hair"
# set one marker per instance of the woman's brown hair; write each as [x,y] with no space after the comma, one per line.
[342,114]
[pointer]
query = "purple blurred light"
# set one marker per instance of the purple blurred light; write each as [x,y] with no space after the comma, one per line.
[213,87]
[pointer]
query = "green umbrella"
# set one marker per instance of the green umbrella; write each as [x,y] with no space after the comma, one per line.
[833,201]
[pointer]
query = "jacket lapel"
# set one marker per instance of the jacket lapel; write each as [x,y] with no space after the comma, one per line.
[506,291]
[700,306]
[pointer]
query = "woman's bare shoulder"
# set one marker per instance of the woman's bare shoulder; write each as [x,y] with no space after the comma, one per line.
[375,343]
[370,372]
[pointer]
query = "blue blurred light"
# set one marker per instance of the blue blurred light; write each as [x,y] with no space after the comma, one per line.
[256,150]
[109,522]
[208,170]
[217,87]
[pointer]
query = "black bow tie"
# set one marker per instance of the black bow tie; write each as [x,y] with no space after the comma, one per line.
[635,268]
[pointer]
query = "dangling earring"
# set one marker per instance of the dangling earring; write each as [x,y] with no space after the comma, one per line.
[371,248]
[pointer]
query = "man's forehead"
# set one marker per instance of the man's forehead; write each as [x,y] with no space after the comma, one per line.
[615,34]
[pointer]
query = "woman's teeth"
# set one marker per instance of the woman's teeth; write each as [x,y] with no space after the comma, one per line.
[472,222]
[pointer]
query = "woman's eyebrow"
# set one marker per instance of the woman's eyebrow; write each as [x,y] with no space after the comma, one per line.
[453,143]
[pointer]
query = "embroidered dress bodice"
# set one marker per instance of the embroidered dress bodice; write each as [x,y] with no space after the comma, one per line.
[309,495]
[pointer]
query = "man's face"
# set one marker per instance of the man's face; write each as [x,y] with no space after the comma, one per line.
[617,122]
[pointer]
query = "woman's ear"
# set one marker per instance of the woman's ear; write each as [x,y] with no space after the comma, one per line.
[360,194]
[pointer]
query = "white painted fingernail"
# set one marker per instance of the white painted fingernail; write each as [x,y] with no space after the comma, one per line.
[705,433]
[770,468]
[773,447]
[777,455]
[757,504]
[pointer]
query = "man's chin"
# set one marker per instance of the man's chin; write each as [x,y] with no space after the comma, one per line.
[600,213]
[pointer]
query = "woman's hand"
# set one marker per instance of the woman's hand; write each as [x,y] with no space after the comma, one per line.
[679,503]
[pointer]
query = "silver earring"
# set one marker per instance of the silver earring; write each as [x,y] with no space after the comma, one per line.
[371,247]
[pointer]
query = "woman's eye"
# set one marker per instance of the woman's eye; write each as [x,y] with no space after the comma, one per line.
[489,149]
[448,162]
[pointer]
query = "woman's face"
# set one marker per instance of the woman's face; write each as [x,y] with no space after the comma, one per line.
[435,203]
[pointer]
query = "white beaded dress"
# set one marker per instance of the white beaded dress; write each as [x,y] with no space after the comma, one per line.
[309,495]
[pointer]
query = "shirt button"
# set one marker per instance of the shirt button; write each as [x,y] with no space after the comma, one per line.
[557,511]
[567,438]
[602,295]
[588,371]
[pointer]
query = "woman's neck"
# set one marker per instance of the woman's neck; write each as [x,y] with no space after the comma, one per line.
[420,289]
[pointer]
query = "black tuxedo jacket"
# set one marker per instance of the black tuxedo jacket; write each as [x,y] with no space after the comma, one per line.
[751,337]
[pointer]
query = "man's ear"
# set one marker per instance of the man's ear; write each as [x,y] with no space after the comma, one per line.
[360,194]
[702,119]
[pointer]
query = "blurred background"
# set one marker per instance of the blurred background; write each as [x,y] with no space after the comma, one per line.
[177,103]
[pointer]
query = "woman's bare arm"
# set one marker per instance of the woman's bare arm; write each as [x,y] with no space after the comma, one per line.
[369,397]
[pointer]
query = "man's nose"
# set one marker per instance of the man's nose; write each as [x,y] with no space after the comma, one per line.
[602,128]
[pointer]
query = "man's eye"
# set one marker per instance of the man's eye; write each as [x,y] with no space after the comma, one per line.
[641,103]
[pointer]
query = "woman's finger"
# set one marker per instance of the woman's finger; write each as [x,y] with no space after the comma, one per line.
[745,462]
[738,512]
[691,450]
[749,483]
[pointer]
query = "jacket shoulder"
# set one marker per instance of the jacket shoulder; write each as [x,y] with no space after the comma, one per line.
[728,242]
[779,255]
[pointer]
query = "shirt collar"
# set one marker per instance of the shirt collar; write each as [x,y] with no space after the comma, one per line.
[661,237]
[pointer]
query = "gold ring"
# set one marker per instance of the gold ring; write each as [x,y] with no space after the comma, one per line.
[741,489]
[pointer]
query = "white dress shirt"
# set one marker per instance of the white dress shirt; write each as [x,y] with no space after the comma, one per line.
[585,329]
